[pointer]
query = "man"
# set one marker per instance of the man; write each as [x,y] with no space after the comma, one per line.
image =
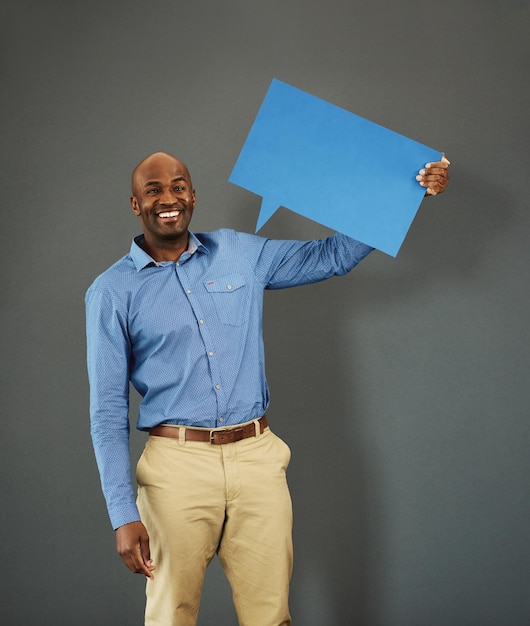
[180,318]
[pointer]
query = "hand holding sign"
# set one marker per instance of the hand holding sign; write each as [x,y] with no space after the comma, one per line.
[324,162]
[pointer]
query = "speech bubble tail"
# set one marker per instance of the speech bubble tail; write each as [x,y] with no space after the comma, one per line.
[268,208]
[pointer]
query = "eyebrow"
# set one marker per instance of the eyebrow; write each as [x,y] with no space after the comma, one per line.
[157,182]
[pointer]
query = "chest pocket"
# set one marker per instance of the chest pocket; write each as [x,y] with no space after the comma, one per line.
[230,295]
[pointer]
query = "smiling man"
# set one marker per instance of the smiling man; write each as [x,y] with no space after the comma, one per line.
[180,317]
[164,199]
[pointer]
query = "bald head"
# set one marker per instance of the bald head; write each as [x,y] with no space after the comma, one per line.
[149,167]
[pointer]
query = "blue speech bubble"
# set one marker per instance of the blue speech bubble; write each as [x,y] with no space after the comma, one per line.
[333,167]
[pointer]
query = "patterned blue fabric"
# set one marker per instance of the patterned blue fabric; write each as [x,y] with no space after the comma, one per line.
[188,336]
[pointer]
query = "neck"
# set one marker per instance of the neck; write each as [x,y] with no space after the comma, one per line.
[165,251]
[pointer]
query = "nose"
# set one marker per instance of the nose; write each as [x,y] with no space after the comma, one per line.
[167,197]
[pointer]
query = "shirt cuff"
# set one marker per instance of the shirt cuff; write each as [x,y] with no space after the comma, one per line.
[124,515]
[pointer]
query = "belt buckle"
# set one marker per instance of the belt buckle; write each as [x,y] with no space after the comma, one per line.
[233,435]
[215,432]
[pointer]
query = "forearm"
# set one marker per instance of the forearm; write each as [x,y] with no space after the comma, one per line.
[111,448]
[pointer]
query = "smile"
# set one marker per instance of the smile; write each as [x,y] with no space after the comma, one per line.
[169,214]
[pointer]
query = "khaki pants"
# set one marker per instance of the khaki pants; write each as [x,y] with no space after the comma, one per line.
[197,499]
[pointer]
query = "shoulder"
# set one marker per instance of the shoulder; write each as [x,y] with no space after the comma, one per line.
[229,236]
[117,275]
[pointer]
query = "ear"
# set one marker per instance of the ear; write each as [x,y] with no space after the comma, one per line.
[134,206]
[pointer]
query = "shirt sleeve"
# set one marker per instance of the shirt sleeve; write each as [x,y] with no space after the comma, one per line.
[283,263]
[108,357]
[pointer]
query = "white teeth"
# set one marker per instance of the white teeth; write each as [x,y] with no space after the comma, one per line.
[169,214]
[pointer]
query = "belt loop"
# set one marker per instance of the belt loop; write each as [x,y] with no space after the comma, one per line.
[182,435]
[257,427]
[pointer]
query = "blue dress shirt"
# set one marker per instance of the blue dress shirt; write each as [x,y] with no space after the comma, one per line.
[188,336]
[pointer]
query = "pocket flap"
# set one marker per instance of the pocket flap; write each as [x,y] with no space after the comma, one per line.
[225,284]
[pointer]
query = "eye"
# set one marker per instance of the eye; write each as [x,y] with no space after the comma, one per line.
[179,188]
[151,192]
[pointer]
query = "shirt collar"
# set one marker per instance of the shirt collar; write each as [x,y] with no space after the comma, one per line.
[141,259]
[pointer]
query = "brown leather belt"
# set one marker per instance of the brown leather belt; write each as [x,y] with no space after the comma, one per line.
[216,436]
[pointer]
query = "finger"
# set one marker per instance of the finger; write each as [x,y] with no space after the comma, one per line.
[436,188]
[434,179]
[432,169]
[135,562]
[444,163]
[439,168]
[433,176]
[147,561]
[434,185]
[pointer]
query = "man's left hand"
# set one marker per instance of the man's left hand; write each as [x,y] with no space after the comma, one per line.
[434,176]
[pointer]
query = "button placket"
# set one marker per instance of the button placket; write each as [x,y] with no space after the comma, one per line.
[194,298]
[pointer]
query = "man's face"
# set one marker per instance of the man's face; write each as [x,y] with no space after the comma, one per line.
[163,199]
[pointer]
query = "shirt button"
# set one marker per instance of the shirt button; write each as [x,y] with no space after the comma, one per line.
[229,286]
[221,419]
[218,386]
[201,321]
[210,353]
[188,290]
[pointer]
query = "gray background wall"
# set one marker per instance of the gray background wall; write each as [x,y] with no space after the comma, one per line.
[402,388]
